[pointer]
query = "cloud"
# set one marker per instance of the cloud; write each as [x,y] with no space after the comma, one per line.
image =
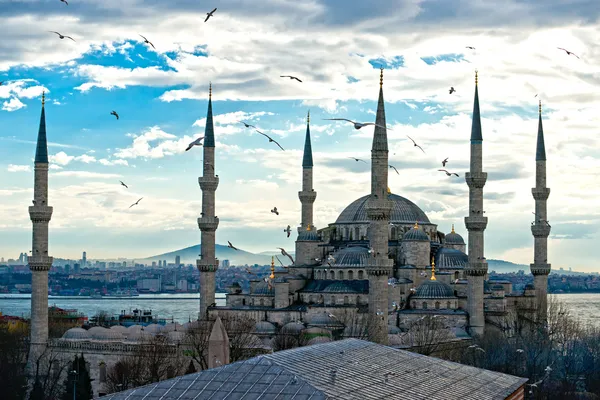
[17,90]
[573,230]
[154,143]
[13,104]
[106,162]
[18,168]
[86,174]
[230,123]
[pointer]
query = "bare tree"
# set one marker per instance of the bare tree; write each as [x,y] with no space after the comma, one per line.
[14,346]
[196,341]
[243,343]
[47,369]
[427,334]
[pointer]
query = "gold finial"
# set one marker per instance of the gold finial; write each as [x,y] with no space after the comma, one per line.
[308,117]
[272,267]
[389,191]
[308,227]
[210,90]
[476,78]
[452,229]
[432,269]
[43,98]
[416,225]
[381,77]
[540,107]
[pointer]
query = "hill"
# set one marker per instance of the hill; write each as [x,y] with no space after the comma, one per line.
[189,255]
[503,267]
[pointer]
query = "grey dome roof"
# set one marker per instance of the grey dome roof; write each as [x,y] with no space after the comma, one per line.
[403,211]
[416,234]
[76,334]
[447,258]
[433,290]
[293,327]
[308,235]
[351,256]
[339,287]
[324,320]
[318,339]
[264,327]
[107,335]
[263,288]
[454,238]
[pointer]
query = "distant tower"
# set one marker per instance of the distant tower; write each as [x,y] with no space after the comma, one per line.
[378,213]
[208,223]
[540,229]
[476,224]
[177,261]
[84,260]
[307,243]
[40,262]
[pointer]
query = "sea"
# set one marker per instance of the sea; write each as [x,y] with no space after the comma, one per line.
[184,307]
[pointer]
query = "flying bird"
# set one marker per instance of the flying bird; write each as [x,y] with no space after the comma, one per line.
[147,41]
[210,14]
[357,159]
[289,76]
[123,184]
[247,125]
[62,36]
[444,162]
[136,203]
[288,230]
[452,90]
[448,173]
[248,270]
[470,47]
[394,168]
[64,1]
[415,143]
[231,246]
[357,125]
[280,262]
[560,48]
[115,114]
[196,142]
[270,139]
[285,253]
[274,211]
[535,95]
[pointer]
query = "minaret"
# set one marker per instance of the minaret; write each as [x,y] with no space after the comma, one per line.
[540,229]
[307,195]
[378,213]
[39,261]
[476,224]
[208,223]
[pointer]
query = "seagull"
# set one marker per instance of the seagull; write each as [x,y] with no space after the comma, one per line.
[560,48]
[270,139]
[195,143]
[274,211]
[520,351]
[280,262]
[448,173]
[64,1]
[470,47]
[136,203]
[247,125]
[288,230]
[123,184]
[452,90]
[62,36]
[147,41]
[210,14]
[231,246]
[444,162]
[248,270]
[289,76]
[115,114]
[285,253]
[394,168]
[357,125]
[357,159]
[415,143]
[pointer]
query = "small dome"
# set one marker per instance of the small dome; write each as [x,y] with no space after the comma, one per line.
[434,290]
[448,258]
[392,329]
[264,327]
[264,289]
[351,256]
[120,328]
[416,234]
[107,335]
[454,238]
[139,336]
[305,235]
[172,327]
[325,320]
[293,328]
[76,334]
[318,339]
[153,328]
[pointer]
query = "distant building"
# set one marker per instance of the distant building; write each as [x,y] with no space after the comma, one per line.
[84,260]
[177,261]
[153,264]
[76,268]
[225,264]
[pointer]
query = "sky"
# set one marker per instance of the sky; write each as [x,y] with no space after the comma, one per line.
[336,49]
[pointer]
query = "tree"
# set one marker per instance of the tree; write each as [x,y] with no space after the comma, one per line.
[427,334]
[196,340]
[243,343]
[78,380]
[47,369]
[191,368]
[14,346]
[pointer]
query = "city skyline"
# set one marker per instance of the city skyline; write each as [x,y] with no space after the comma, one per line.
[90,151]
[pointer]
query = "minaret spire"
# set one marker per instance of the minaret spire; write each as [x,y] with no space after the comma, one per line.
[208,222]
[378,213]
[476,224]
[39,261]
[540,228]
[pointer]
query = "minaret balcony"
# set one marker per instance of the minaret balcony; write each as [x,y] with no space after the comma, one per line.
[207,265]
[476,223]
[477,268]
[307,196]
[476,179]
[540,268]
[40,213]
[540,193]
[206,223]
[208,183]
[40,262]
[540,230]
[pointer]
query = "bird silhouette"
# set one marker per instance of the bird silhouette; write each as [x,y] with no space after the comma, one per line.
[415,143]
[448,173]
[569,53]
[115,114]
[210,14]
[64,1]
[357,125]
[290,76]
[123,184]
[452,90]
[280,262]
[136,203]
[147,41]
[247,125]
[288,230]
[274,211]
[61,36]
[394,168]
[285,253]
[231,246]
[197,142]
[444,162]
[270,139]
[357,159]
[470,47]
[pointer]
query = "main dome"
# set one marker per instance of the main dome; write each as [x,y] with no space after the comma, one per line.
[404,211]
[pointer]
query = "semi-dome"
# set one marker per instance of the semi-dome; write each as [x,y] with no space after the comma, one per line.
[448,258]
[403,211]
[415,234]
[306,235]
[76,334]
[351,256]
[454,238]
[339,287]
[434,290]
[264,327]
[264,289]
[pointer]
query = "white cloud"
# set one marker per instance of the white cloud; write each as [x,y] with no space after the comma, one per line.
[104,161]
[231,123]
[13,104]
[86,174]
[18,168]
[60,158]
[154,143]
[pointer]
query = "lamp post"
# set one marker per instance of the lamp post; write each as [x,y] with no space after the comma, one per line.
[73,375]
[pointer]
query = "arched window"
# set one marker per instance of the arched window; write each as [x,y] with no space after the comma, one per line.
[346,300]
[321,299]
[356,233]
[360,274]
[341,275]
[262,302]
[394,233]
[311,299]
[350,275]
[448,305]
[333,300]
[455,274]
[102,377]
[437,305]
[414,304]
[357,300]
[424,305]
[243,302]
[332,274]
